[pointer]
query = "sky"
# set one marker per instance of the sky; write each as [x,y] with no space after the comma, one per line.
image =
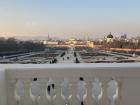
[69,18]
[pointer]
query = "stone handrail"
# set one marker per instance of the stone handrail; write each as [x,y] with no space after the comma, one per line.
[104,85]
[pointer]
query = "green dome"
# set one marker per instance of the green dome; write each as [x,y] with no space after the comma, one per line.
[110,36]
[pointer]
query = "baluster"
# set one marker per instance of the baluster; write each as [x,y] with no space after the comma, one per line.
[112,91]
[43,96]
[11,91]
[35,90]
[81,91]
[19,92]
[97,91]
[27,97]
[66,92]
[51,91]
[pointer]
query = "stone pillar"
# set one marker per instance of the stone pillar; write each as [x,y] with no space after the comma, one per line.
[27,97]
[11,92]
[43,96]
[97,91]
[112,92]
[66,91]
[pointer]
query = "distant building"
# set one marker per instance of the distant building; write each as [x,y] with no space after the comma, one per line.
[70,42]
[90,44]
[134,40]
[52,42]
[80,43]
[109,38]
[124,38]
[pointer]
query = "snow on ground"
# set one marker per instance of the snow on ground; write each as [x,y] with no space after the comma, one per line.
[68,57]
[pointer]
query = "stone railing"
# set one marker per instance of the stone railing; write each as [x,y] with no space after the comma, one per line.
[81,84]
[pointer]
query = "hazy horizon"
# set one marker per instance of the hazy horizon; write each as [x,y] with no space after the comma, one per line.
[68,18]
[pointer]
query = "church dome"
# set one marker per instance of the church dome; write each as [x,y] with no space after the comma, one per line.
[110,36]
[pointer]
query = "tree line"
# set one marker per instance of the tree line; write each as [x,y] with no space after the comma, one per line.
[14,45]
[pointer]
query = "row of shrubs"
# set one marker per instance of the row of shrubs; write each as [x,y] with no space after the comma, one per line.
[12,45]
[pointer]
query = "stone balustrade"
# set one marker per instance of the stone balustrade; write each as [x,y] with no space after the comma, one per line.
[73,85]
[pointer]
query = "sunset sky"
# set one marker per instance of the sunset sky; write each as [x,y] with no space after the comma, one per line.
[69,18]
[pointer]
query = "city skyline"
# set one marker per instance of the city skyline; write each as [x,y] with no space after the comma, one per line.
[73,18]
